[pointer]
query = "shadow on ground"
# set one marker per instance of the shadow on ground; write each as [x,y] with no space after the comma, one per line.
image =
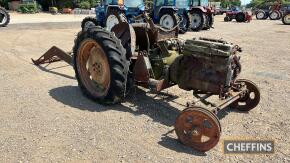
[139,104]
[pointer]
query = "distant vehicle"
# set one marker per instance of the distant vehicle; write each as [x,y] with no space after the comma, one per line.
[272,11]
[236,13]
[286,16]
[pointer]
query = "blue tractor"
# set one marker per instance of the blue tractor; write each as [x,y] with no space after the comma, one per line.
[192,14]
[112,12]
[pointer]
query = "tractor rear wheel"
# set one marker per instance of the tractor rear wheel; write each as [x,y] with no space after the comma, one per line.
[168,19]
[89,22]
[100,65]
[184,24]
[260,15]
[113,18]
[274,15]
[4,17]
[197,20]
[241,17]
[286,19]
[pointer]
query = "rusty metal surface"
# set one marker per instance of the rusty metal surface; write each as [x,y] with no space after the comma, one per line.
[54,54]
[250,99]
[126,34]
[198,128]
[207,65]
[141,71]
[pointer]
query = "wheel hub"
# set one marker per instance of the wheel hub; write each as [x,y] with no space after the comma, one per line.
[274,15]
[167,21]
[260,15]
[287,19]
[198,128]
[196,20]
[94,67]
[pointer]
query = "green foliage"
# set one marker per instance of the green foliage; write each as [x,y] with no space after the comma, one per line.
[84,5]
[229,3]
[29,8]
[260,3]
[4,3]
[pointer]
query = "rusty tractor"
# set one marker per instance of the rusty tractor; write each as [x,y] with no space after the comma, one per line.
[4,17]
[107,64]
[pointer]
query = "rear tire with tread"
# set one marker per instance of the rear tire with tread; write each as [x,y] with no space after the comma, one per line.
[89,21]
[118,64]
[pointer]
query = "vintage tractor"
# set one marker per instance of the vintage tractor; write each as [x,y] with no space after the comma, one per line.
[271,10]
[163,12]
[201,16]
[194,14]
[106,68]
[4,17]
[111,12]
[238,15]
[286,16]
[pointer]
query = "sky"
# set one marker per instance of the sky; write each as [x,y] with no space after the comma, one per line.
[245,2]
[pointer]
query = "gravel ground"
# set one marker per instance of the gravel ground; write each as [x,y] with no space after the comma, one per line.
[45,117]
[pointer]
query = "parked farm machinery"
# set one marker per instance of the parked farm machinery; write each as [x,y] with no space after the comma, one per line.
[237,14]
[269,10]
[107,64]
[4,17]
[112,12]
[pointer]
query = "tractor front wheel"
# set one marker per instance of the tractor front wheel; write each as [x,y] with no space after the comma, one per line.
[197,20]
[100,65]
[260,15]
[113,18]
[89,22]
[168,19]
[286,19]
[4,17]
[274,15]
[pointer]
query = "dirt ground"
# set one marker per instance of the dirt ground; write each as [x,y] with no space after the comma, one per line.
[45,117]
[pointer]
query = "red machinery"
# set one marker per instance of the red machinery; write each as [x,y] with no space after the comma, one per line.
[236,13]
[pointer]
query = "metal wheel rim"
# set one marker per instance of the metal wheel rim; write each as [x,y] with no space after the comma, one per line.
[4,19]
[260,15]
[193,124]
[167,21]
[251,99]
[287,19]
[274,15]
[195,20]
[112,20]
[93,67]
